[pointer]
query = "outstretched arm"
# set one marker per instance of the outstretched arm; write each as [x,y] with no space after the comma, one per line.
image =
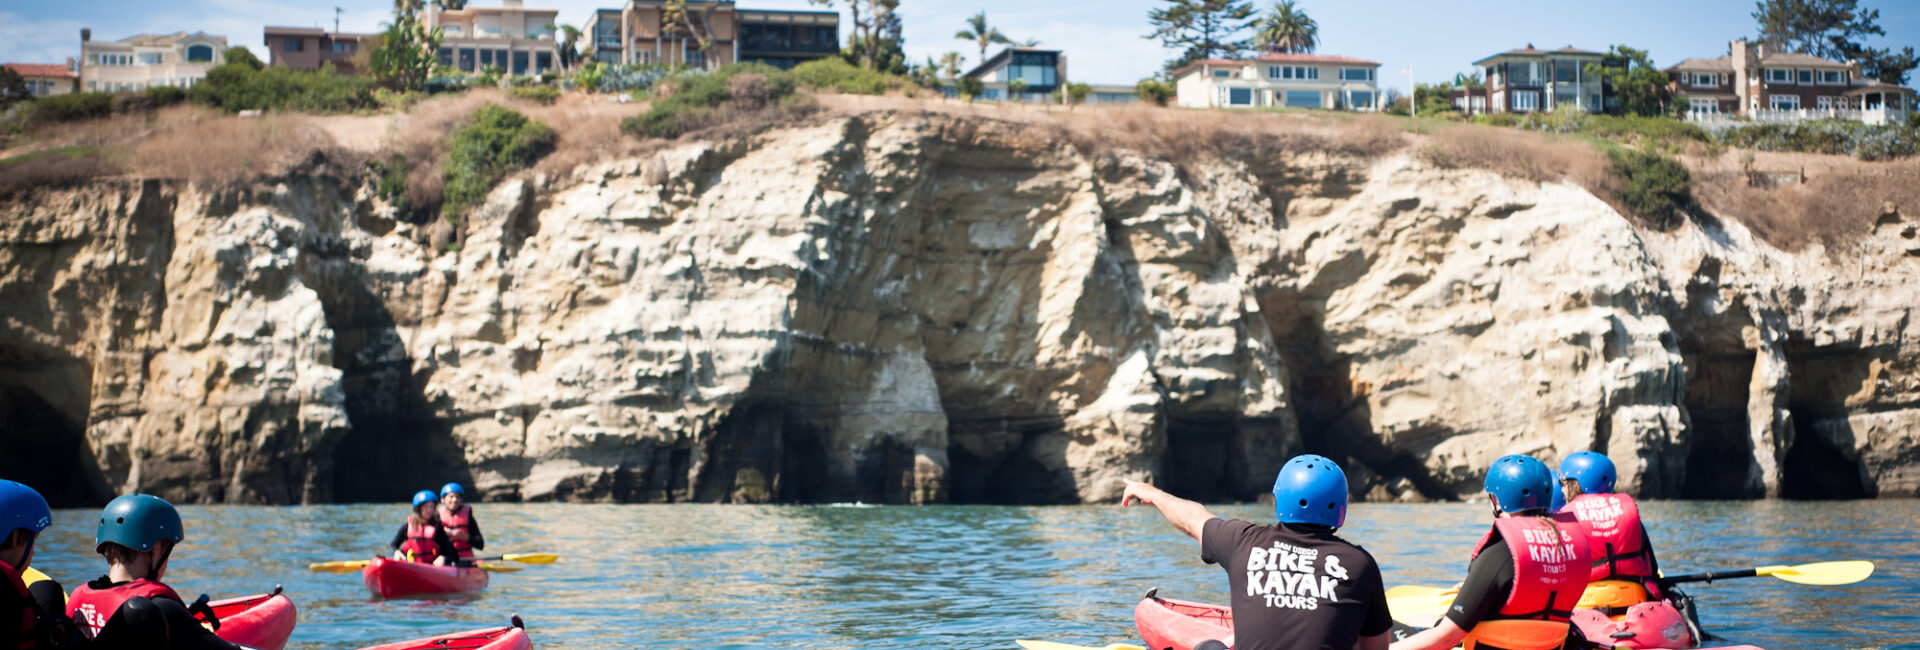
[1187,516]
[1444,635]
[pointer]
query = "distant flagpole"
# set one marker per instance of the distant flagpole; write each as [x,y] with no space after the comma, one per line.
[1413,94]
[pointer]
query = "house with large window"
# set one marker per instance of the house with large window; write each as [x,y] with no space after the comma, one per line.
[147,60]
[643,32]
[1531,79]
[1279,79]
[308,48]
[1043,71]
[512,37]
[47,79]
[1757,82]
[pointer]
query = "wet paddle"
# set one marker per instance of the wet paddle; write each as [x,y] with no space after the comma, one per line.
[1050,645]
[525,558]
[1818,573]
[342,566]
[1419,606]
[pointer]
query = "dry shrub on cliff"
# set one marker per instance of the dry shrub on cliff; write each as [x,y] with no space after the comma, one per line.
[1522,154]
[224,151]
[1838,202]
[51,167]
[1186,136]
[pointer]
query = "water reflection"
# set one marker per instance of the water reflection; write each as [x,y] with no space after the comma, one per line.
[956,577]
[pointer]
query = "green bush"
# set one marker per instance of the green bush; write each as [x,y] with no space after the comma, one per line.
[390,181]
[697,98]
[73,106]
[397,101]
[1863,141]
[237,87]
[1154,90]
[244,56]
[495,142]
[970,87]
[1657,186]
[1497,119]
[165,95]
[543,95]
[835,74]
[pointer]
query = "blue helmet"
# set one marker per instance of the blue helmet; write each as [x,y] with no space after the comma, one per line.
[425,496]
[452,488]
[1520,483]
[1559,495]
[1593,470]
[22,507]
[138,521]
[1311,489]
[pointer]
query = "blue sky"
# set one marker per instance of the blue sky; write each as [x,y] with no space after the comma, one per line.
[1102,38]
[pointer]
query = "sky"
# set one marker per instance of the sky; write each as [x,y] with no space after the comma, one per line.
[1103,39]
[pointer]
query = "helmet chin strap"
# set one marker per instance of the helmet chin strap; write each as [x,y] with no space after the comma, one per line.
[160,558]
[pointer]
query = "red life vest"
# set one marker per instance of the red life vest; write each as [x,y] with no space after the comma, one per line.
[28,618]
[1612,525]
[459,521]
[420,546]
[1549,570]
[91,608]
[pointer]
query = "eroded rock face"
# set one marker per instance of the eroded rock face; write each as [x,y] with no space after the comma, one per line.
[925,309]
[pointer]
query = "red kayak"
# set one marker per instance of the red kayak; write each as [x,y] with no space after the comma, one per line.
[495,638]
[396,579]
[1167,624]
[264,621]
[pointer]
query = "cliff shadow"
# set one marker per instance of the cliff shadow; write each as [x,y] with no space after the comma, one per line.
[1009,461]
[44,447]
[1720,449]
[1827,385]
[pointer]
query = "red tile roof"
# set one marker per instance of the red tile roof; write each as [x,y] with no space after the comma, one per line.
[54,70]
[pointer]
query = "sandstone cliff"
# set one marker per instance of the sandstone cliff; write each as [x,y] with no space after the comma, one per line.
[918,309]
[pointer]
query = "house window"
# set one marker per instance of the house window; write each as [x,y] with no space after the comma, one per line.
[696,58]
[1478,104]
[446,56]
[1303,99]
[1832,77]
[1222,74]
[292,45]
[544,60]
[1823,102]
[1239,96]
[1706,80]
[1779,76]
[1356,74]
[1360,99]
[1526,101]
[1566,70]
[519,63]
[342,47]
[1295,72]
[1784,102]
[451,30]
[199,54]
[1806,77]
[1523,74]
[1708,106]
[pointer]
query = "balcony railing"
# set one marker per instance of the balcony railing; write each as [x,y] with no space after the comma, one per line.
[1783,116]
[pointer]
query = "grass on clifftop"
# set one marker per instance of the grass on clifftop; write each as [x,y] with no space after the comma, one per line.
[496,142]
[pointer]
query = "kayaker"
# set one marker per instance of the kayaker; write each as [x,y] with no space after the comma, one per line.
[130,607]
[456,517]
[1526,574]
[1295,584]
[1624,572]
[24,611]
[422,539]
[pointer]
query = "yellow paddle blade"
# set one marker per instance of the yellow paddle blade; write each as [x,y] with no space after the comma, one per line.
[501,568]
[1050,645]
[1421,610]
[1821,573]
[1403,591]
[342,566]
[532,558]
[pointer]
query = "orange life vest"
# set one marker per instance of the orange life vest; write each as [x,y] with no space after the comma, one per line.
[420,546]
[1549,573]
[92,608]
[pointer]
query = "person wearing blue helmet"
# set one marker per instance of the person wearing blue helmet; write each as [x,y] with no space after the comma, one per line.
[27,612]
[456,517]
[1295,583]
[130,606]
[1526,574]
[1624,572]
[422,538]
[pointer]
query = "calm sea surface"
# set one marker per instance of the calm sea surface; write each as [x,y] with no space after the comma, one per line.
[697,576]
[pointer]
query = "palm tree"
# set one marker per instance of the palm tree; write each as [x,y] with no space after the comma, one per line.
[950,63]
[1286,29]
[982,34]
[569,50]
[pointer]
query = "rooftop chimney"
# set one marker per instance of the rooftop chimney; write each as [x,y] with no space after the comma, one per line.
[86,34]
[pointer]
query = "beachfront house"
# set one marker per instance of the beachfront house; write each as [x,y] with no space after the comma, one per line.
[1279,79]
[512,37]
[1042,71]
[145,61]
[640,33]
[308,48]
[47,79]
[1529,79]
[1757,82]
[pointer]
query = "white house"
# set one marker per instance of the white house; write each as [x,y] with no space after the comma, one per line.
[1272,80]
[179,60]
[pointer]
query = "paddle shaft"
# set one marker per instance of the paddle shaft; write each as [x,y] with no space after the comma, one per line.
[1710,576]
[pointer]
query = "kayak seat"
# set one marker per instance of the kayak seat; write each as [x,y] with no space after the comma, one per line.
[1613,597]
[1516,635]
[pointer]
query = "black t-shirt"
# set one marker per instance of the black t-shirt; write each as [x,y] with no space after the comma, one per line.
[1296,586]
[1488,585]
[12,607]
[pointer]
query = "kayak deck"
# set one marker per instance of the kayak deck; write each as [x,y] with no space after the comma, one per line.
[1178,624]
[397,579]
[496,638]
[264,621]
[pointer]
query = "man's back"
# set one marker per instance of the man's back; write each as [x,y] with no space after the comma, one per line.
[1296,585]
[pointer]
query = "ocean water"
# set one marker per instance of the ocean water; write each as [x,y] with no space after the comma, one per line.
[704,576]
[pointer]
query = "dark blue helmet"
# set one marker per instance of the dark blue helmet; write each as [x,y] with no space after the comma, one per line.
[1593,470]
[22,507]
[1311,489]
[138,522]
[1520,483]
[425,496]
[452,488]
